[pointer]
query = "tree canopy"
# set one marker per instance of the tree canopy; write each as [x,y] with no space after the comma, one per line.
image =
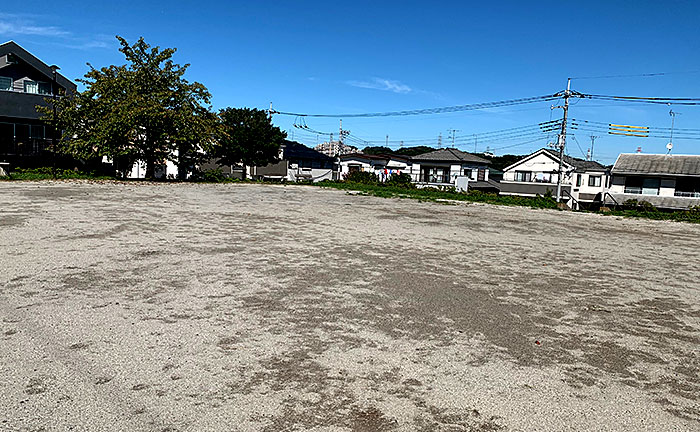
[143,110]
[247,136]
[404,151]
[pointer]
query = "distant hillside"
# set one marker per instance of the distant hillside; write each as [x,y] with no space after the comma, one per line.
[403,151]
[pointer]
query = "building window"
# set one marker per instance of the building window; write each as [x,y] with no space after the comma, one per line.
[523,176]
[579,179]
[688,187]
[37,131]
[642,186]
[594,181]
[44,88]
[31,87]
[36,87]
[435,175]
[5,83]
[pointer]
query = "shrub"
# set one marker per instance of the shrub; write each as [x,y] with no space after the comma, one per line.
[361,177]
[645,206]
[400,180]
[210,176]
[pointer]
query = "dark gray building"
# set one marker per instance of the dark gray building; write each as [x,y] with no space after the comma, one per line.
[25,81]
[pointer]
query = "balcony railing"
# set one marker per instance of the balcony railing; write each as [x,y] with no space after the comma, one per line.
[633,190]
[24,147]
[687,194]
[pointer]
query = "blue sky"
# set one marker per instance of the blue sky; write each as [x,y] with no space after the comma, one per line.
[353,57]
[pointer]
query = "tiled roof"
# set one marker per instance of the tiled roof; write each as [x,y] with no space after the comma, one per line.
[579,164]
[295,150]
[638,163]
[450,155]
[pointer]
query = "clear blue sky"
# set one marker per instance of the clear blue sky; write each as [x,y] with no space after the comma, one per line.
[325,57]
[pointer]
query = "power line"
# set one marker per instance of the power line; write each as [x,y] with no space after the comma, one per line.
[449,109]
[635,75]
[643,99]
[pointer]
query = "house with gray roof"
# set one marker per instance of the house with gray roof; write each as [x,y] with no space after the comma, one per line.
[666,181]
[442,167]
[583,181]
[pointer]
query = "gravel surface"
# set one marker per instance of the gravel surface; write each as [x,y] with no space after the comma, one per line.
[182,307]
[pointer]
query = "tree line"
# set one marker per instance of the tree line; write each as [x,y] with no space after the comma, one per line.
[145,110]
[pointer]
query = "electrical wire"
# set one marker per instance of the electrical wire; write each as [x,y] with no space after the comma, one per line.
[449,109]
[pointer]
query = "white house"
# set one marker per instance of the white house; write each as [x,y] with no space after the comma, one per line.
[381,165]
[442,167]
[666,181]
[583,182]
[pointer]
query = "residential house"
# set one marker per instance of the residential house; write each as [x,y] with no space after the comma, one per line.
[297,163]
[25,81]
[666,181]
[583,181]
[443,167]
[382,165]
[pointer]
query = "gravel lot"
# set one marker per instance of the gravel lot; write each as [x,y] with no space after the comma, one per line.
[180,307]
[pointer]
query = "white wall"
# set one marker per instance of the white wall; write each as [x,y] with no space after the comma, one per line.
[455,170]
[295,173]
[376,167]
[538,164]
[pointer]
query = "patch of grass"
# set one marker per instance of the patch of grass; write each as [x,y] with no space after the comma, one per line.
[692,215]
[431,194]
[212,176]
[47,173]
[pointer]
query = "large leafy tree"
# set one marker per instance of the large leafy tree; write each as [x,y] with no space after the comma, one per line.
[143,110]
[247,136]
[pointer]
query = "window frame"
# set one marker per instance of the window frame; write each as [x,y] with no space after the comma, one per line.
[11,86]
[31,82]
[523,176]
[595,180]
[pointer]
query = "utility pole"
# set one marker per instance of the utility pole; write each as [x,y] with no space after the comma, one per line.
[340,135]
[474,143]
[54,130]
[593,138]
[562,136]
[440,140]
[387,140]
[673,115]
[269,113]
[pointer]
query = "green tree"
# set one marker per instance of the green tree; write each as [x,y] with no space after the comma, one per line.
[413,151]
[143,110]
[375,150]
[247,136]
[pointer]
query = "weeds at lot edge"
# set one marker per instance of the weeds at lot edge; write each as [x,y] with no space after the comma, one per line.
[46,173]
[440,196]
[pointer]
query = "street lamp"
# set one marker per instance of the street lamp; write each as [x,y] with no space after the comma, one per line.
[54,70]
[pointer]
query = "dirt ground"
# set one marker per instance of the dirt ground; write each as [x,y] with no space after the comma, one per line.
[181,307]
